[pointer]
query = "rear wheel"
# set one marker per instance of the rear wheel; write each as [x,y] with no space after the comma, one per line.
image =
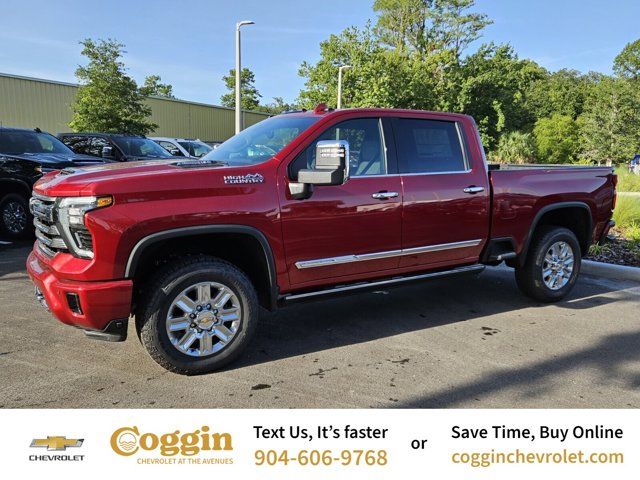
[15,220]
[199,315]
[552,265]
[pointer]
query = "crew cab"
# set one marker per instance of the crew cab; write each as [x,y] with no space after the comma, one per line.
[300,206]
[24,155]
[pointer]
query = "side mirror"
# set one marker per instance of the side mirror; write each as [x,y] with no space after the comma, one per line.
[331,168]
[332,164]
[107,152]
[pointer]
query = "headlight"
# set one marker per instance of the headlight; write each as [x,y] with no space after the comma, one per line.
[71,212]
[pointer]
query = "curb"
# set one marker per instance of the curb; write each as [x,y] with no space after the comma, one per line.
[609,270]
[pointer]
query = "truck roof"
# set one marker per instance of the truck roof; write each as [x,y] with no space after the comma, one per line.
[322,109]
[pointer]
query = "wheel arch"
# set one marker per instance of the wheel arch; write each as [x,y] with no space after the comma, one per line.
[212,237]
[562,214]
[14,185]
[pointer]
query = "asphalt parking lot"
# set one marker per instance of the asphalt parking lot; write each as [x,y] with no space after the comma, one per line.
[472,342]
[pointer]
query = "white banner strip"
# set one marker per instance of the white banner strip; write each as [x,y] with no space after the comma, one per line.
[322,444]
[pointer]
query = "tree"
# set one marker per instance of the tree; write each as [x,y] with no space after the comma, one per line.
[609,125]
[491,86]
[627,63]
[429,26]
[557,139]
[152,86]
[108,100]
[250,95]
[277,106]
[516,147]
[379,77]
[562,92]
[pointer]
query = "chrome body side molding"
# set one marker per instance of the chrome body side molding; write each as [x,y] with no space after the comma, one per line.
[324,262]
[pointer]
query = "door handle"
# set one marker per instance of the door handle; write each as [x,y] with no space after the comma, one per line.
[384,195]
[473,189]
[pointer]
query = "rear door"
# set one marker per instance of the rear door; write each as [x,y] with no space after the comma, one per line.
[445,191]
[347,230]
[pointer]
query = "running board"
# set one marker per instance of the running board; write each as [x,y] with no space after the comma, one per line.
[357,287]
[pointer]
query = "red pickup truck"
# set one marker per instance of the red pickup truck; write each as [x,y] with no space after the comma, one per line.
[300,206]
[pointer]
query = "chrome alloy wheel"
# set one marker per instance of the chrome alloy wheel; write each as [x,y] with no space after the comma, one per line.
[14,217]
[557,265]
[203,319]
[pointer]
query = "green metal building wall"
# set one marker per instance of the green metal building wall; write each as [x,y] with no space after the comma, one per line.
[30,102]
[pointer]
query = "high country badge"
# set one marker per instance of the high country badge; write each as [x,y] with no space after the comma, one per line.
[249,178]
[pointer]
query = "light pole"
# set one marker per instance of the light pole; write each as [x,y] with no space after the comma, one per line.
[340,69]
[238,77]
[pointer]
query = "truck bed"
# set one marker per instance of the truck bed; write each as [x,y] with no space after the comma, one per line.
[521,194]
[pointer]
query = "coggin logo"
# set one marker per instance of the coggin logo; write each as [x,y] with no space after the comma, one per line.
[126,441]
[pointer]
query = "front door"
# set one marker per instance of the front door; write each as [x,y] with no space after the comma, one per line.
[347,230]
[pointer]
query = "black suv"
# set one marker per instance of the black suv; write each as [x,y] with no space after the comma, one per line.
[24,156]
[114,146]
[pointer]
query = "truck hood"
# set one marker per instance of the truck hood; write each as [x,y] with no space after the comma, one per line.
[105,178]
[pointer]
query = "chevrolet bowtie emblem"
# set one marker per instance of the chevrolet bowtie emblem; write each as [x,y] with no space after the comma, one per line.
[56,443]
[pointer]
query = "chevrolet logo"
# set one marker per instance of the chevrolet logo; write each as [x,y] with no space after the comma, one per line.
[56,443]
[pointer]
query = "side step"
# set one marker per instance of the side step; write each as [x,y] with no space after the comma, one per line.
[363,286]
[502,256]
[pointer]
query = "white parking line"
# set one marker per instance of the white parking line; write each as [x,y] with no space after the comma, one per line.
[4,243]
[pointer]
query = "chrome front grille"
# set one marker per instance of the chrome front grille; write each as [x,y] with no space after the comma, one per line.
[44,219]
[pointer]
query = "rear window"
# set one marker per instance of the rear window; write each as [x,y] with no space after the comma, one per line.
[429,146]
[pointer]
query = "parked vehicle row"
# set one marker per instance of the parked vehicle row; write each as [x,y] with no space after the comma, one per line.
[300,206]
[24,156]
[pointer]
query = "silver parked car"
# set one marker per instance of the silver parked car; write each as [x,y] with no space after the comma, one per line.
[183,147]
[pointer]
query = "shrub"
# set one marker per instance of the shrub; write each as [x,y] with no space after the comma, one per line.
[516,147]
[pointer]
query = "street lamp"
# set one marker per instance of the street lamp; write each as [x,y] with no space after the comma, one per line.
[340,69]
[238,78]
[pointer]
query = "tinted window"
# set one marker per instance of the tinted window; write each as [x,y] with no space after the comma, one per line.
[140,147]
[97,144]
[77,143]
[171,148]
[428,146]
[196,149]
[19,141]
[366,148]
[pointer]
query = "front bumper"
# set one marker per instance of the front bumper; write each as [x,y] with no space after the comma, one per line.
[87,305]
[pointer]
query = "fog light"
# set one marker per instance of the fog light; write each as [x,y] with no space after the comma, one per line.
[74,303]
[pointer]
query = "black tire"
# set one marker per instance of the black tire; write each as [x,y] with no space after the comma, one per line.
[166,285]
[15,219]
[529,277]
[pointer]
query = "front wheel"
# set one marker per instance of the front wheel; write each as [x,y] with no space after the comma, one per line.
[552,265]
[15,220]
[199,315]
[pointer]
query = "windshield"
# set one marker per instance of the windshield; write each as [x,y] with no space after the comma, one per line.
[195,148]
[140,147]
[261,141]
[16,142]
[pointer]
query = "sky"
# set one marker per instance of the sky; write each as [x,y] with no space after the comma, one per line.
[190,43]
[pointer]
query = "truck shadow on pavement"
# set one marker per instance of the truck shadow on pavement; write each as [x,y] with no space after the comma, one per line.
[607,357]
[311,328]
